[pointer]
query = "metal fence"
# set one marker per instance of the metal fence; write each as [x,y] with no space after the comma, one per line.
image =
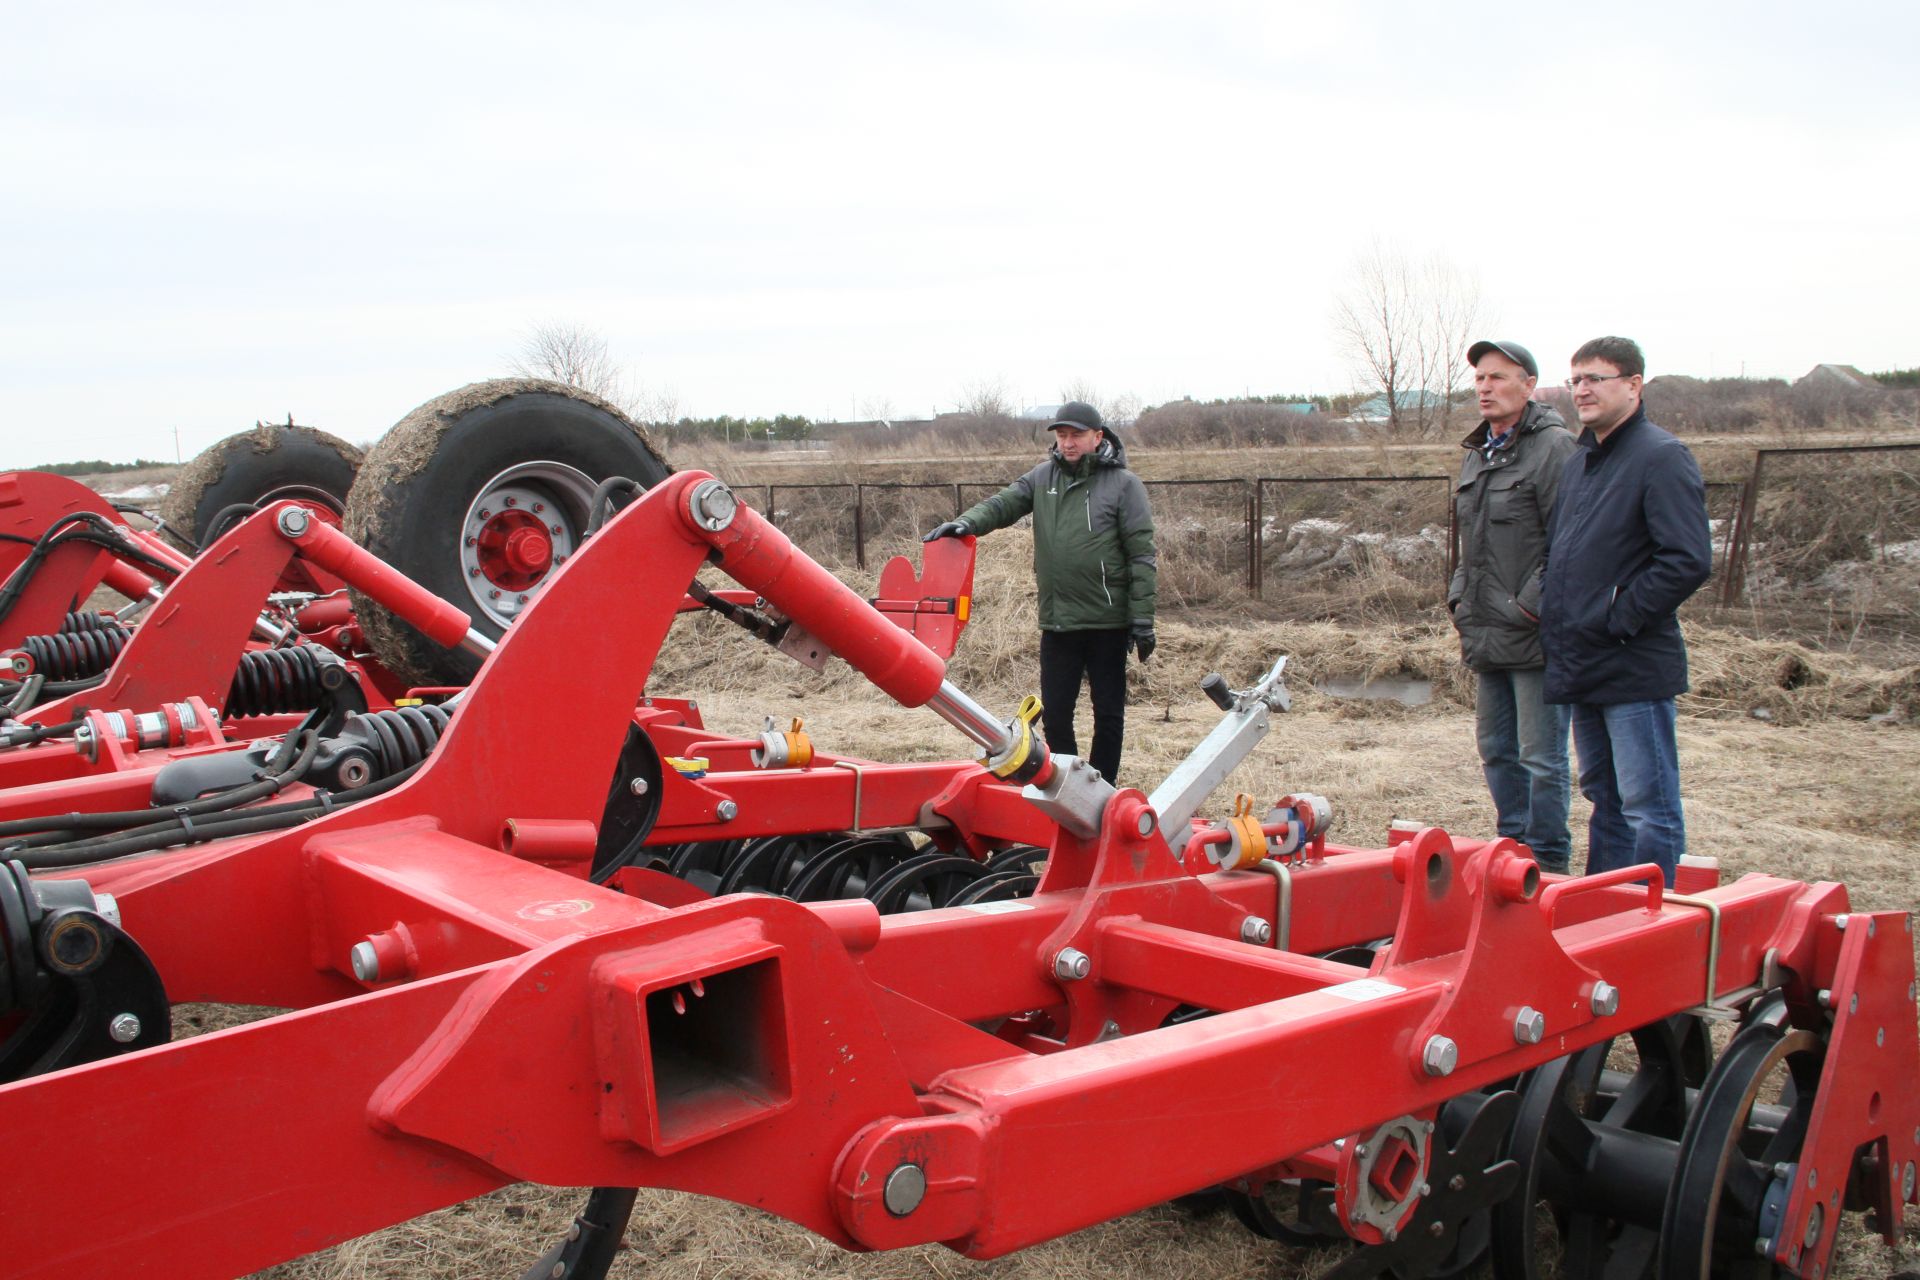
[1839,530]
[1829,532]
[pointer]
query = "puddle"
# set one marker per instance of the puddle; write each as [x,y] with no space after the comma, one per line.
[1409,691]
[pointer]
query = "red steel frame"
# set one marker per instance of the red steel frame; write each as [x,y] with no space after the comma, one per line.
[796,1057]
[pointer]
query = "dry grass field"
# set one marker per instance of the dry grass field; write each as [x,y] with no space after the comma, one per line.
[1825,787]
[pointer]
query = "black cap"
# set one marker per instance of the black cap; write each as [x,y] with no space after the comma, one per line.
[1079,415]
[1511,350]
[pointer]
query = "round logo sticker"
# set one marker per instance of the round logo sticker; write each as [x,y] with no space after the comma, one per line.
[555,910]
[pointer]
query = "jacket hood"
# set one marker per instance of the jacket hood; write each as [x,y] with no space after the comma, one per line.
[1532,418]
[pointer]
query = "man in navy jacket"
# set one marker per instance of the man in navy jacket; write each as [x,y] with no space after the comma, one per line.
[1627,545]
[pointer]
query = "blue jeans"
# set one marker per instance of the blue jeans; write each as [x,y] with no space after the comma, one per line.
[1630,769]
[1523,748]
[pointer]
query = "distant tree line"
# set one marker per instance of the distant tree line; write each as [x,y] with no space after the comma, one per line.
[96,467]
[728,429]
[1907,378]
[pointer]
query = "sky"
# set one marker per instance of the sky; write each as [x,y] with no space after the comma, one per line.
[217,214]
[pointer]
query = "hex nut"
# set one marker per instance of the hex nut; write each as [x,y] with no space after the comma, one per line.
[125,1028]
[726,810]
[1440,1056]
[1256,931]
[1071,964]
[1529,1026]
[294,521]
[1605,1000]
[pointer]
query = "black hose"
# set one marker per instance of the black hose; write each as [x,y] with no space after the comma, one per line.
[276,774]
[80,526]
[600,507]
[167,835]
[234,513]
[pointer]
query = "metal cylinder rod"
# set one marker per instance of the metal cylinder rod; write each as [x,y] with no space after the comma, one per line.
[970,718]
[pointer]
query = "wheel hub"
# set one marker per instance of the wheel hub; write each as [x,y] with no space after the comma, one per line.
[522,524]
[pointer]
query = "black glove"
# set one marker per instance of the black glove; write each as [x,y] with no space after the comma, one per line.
[1141,635]
[951,529]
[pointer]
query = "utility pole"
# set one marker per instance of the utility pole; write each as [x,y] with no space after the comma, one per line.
[176,445]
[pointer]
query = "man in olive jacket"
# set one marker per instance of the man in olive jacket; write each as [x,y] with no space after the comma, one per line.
[1093,557]
[1502,507]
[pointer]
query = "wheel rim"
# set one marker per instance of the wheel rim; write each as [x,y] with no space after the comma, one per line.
[522,525]
[1738,1153]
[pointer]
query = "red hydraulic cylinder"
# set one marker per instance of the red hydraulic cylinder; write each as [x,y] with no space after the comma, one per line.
[759,556]
[332,550]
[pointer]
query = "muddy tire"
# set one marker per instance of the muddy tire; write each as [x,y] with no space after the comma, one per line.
[266,464]
[479,495]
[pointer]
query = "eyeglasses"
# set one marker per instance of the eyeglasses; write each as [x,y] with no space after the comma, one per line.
[1579,380]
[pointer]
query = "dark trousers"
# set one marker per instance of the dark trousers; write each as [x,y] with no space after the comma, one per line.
[1099,658]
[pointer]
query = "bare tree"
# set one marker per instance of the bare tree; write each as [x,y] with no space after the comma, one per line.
[1122,408]
[572,354]
[987,401]
[1405,326]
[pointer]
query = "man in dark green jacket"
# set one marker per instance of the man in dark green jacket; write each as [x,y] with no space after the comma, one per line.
[1093,558]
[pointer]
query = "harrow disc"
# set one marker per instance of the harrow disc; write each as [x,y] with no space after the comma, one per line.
[480,496]
[1596,1140]
[1751,1120]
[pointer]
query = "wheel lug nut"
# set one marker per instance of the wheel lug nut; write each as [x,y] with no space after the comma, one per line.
[555,528]
[512,502]
[484,513]
[494,594]
[473,573]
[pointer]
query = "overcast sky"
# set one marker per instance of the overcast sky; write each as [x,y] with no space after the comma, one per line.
[216,214]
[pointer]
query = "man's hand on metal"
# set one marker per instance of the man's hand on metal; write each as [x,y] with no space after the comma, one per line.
[951,529]
[1140,634]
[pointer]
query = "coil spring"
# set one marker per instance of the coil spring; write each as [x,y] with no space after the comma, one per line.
[76,655]
[274,681]
[90,621]
[402,736]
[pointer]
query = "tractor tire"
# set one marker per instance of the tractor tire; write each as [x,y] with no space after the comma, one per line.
[478,496]
[271,462]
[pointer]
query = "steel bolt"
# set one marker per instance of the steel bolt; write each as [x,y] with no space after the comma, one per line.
[1815,1221]
[125,1028]
[556,529]
[1853,1003]
[713,505]
[1870,928]
[1391,1234]
[638,786]
[473,572]
[513,502]
[1529,1026]
[523,599]
[1906,1182]
[485,514]
[1824,998]
[538,507]
[1440,1056]
[365,961]
[1813,1178]
[559,1271]
[1605,1001]
[906,1188]
[726,810]
[494,594]
[1071,964]
[1879,1037]
[1436,1229]
[294,521]
[1840,923]
[1362,1151]
[1458,1182]
[471,540]
[1256,931]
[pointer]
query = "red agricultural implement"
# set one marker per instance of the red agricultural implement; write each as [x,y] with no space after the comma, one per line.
[563,934]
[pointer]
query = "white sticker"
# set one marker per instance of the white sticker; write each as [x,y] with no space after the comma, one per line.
[555,910]
[997,908]
[1364,989]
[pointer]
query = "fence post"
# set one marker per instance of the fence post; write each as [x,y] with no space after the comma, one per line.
[771,519]
[1735,582]
[1254,512]
[860,525]
[957,508]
